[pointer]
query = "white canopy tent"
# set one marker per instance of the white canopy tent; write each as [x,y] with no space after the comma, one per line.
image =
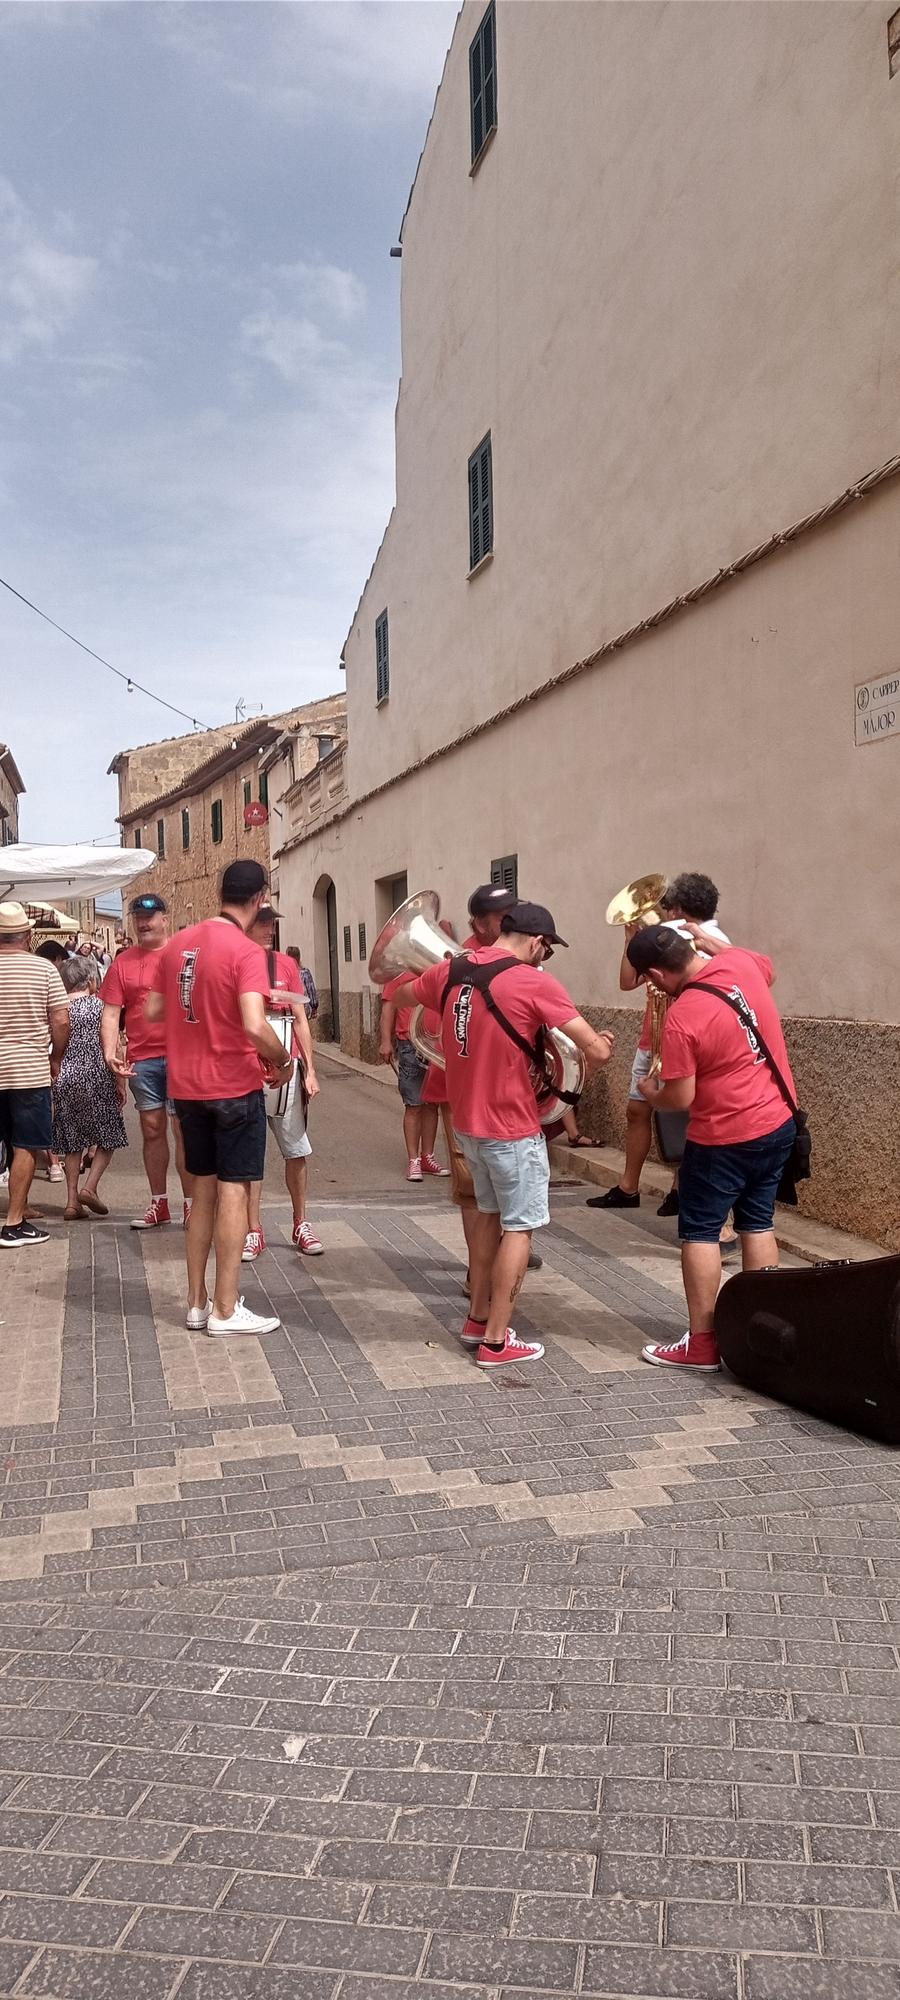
[34,874]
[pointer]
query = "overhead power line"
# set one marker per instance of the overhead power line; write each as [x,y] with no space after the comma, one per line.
[133,686]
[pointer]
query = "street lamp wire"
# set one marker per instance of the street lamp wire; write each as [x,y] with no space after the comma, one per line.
[133,686]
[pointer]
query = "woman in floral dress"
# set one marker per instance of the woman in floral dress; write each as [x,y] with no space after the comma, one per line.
[87,1107]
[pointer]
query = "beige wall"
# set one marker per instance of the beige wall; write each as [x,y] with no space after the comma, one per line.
[9,810]
[154,768]
[671,292]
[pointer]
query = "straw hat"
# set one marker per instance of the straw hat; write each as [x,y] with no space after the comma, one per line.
[14,917]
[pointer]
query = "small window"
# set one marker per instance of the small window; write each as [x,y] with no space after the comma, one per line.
[326,745]
[185,831]
[893,28]
[505,873]
[362,941]
[137,836]
[382,661]
[348,944]
[483,82]
[215,818]
[264,788]
[481,503]
[248,791]
[161,839]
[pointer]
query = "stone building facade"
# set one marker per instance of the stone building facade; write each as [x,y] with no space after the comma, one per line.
[11,790]
[217,811]
[637,603]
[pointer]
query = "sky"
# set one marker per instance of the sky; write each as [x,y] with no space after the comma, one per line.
[199,355]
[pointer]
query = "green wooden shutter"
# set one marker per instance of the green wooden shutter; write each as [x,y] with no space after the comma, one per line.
[481,503]
[483,82]
[382,660]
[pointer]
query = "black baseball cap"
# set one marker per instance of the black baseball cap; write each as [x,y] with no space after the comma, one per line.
[655,947]
[266,914]
[491,900]
[148,904]
[532,920]
[242,881]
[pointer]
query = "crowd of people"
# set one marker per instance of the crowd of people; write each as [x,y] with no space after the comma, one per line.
[75,1037]
[209,1029]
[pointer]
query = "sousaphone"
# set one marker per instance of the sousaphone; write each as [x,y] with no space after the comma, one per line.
[411,942]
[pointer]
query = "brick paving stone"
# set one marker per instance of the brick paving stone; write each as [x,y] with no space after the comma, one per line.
[658,1759]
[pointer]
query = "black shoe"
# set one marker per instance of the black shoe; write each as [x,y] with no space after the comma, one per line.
[615,1197]
[535,1263]
[670,1205]
[21,1235]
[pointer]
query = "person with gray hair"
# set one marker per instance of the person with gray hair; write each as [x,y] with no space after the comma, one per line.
[87,1106]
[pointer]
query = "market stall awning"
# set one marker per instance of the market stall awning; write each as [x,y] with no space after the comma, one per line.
[34,874]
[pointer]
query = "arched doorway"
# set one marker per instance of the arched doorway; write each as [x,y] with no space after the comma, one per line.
[326,956]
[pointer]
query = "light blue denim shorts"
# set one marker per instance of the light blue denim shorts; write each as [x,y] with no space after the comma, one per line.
[511,1179]
[148,1084]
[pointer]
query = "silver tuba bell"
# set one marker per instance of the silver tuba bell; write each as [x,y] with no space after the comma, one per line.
[411,942]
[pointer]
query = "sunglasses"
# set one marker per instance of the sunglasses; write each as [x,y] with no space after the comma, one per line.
[146,903]
[548,949]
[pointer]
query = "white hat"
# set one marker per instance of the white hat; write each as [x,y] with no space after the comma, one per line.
[14,917]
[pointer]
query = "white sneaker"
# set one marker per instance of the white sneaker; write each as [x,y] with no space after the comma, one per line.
[198,1317]
[414,1170]
[242,1320]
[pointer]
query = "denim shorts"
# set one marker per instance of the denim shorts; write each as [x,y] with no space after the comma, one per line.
[26,1120]
[148,1084]
[511,1178]
[713,1179]
[224,1136]
[640,1067]
[411,1074]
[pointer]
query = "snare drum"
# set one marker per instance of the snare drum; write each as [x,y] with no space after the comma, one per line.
[280,1096]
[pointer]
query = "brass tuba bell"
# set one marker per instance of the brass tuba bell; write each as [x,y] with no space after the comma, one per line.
[410,941]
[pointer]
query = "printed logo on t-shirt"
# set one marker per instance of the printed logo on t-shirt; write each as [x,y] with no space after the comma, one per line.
[186,985]
[462,1015]
[748,1021]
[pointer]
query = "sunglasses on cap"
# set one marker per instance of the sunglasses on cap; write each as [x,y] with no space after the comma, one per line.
[148,904]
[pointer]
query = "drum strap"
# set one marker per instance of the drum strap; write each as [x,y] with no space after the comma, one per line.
[463,972]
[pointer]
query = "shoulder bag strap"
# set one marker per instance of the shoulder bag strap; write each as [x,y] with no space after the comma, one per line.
[747,1021]
[481,977]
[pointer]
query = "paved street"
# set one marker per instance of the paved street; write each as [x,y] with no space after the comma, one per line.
[332,1670]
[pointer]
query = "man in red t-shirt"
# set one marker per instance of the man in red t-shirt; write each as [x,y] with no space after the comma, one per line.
[286,996]
[125,986]
[209,986]
[495,1111]
[740,1128]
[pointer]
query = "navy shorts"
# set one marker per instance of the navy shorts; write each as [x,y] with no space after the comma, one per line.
[713,1179]
[224,1136]
[26,1120]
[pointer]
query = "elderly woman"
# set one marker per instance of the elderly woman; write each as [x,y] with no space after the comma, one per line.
[87,1109]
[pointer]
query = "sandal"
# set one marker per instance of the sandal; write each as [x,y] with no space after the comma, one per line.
[77,1214]
[581,1141]
[92,1201]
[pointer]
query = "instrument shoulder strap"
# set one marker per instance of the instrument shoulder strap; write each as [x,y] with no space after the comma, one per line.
[464,973]
[741,1009]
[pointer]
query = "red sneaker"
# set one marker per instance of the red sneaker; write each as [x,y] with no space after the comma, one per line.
[513,1349]
[473,1332]
[157,1214]
[305,1240]
[254,1245]
[432,1166]
[695,1350]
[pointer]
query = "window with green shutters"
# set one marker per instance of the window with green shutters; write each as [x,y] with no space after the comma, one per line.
[161,839]
[216,821]
[481,503]
[137,836]
[185,831]
[248,791]
[382,659]
[264,788]
[505,873]
[483,82]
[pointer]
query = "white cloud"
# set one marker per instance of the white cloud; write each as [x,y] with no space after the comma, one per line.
[340,293]
[42,288]
[304,61]
[291,342]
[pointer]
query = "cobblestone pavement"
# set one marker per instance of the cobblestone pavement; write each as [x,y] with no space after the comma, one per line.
[331,1670]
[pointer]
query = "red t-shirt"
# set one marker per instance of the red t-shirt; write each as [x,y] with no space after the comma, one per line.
[737,1097]
[203,971]
[287,980]
[488,1085]
[402,1014]
[127,984]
